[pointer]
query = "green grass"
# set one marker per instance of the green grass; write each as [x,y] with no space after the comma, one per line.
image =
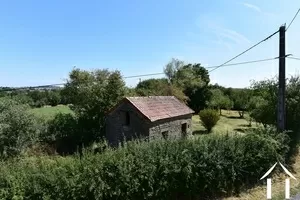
[50,112]
[229,122]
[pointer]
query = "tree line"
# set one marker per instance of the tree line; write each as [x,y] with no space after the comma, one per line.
[91,94]
[35,98]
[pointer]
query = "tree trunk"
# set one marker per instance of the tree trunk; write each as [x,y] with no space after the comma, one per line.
[241,113]
[220,111]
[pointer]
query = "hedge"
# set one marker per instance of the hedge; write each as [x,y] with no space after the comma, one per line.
[206,167]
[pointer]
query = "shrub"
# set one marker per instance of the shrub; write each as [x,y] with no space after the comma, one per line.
[207,167]
[63,133]
[209,118]
[18,128]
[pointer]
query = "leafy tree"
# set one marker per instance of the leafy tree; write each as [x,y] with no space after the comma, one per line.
[191,76]
[22,98]
[293,104]
[240,99]
[265,93]
[198,98]
[53,97]
[267,108]
[172,67]
[152,87]
[192,79]
[159,87]
[92,95]
[131,92]
[219,100]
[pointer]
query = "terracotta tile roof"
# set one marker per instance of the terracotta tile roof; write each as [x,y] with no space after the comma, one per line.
[159,107]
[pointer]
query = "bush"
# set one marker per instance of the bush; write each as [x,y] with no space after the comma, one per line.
[18,128]
[63,133]
[209,118]
[210,166]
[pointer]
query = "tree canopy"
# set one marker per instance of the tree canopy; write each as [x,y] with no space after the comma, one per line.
[192,79]
[92,95]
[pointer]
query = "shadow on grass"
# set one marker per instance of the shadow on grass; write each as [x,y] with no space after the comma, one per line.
[200,132]
[243,130]
[245,125]
[233,117]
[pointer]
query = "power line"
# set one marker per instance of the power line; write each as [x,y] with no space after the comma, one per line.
[135,76]
[246,62]
[245,51]
[293,19]
[61,84]
[294,58]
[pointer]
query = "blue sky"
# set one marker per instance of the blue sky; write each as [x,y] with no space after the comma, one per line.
[41,41]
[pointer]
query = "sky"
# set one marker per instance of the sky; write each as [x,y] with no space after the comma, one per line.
[41,41]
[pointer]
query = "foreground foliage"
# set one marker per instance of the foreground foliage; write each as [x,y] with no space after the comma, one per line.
[19,129]
[209,166]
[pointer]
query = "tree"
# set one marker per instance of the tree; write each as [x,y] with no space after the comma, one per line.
[92,95]
[152,87]
[23,98]
[172,68]
[198,98]
[265,108]
[293,104]
[219,100]
[257,108]
[192,79]
[130,92]
[53,97]
[240,99]
[159,87]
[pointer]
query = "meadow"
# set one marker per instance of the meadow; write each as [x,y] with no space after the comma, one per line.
[48,112]
[229,121]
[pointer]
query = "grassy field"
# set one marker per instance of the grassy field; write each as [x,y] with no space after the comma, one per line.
[50,112]
[229,122]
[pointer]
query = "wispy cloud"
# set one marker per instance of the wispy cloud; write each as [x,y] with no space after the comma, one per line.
[253,7]
[232,35]
[221,42]
[257,9]
[224,35]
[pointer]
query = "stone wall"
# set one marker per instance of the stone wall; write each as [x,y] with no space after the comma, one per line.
[117,131]
[172,126]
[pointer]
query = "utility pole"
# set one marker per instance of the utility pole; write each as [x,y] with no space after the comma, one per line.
[281,93]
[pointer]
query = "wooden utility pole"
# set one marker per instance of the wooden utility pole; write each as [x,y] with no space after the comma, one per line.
[281,93]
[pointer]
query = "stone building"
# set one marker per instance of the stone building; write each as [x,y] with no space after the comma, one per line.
[148,117]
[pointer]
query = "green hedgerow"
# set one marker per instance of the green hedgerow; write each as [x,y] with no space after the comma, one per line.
[207,167]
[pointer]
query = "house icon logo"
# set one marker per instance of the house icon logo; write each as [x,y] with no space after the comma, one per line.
[269,181]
